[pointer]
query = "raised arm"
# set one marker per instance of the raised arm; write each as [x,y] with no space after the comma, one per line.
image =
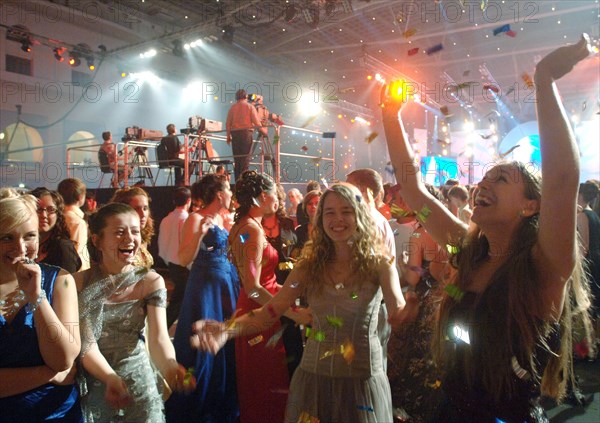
[194,229]
[555,251]
[443,226]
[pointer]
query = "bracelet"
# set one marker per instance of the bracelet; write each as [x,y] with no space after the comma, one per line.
[32,307]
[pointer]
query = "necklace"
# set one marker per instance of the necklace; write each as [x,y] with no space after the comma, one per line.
[13,303]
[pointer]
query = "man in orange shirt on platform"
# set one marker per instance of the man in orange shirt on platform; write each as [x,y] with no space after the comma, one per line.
[241,121]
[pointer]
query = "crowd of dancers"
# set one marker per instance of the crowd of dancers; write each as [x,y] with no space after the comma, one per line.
[358,302]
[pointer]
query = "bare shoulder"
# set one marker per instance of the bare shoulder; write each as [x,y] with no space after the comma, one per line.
[152,281]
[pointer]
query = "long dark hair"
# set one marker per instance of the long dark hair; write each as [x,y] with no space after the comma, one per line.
[511,310]
[248,187]
[206,189]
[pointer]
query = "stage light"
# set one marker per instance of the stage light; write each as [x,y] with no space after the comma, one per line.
[398,91]
[74,60]
[90,63]
[26,45]
[58,54]
[186,46]
[149,53]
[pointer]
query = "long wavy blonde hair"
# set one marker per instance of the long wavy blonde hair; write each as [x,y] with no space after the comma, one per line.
[367,245]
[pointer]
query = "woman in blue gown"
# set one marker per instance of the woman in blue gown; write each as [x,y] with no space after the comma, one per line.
[211,293]
[36,381]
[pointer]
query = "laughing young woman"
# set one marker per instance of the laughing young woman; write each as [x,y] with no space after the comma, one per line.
[116,299]
[503,330]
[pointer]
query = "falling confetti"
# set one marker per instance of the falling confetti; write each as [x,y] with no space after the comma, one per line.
[353,295]
[510,150]
[317,335]
[435,385]
[452,249]
[584,106]
[324,182]
[255,341]
[528,80]
[336,322]
[365,408]
[454,292]
[358,198]
[286,265]
[244,237]
[371,137]
[348,352]
[510,91]
[501,29]
[307,418]
[486,137]
[309,121]
[424,213]
[409,33]
[304,148]
[413,51]
[466,73]
[436,48]
[445,111]
[272,342]
[491,87]
[339,286]
[391,259]
[511,33]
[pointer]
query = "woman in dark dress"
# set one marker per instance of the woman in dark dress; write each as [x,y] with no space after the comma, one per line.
[56,247]
[211,293]
[503,334]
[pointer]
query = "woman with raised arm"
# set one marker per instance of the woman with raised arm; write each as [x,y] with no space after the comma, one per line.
[120,371]
[39,324]
[211,293]
[344,274]
[503,330]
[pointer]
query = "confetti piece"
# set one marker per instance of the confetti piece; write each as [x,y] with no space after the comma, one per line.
[584,106]
[528,80]
[231,322]
[272,342]
[391,259]
[413,51]
[348,352]
[309,121]
[365,408]
[511,33]
[307,418]
[271,311]
[409,33]
[371,137]
[483,5]
[304,148]
[510,150]
[491,87]
[255,341]
[510,91]
[486,137]
[254,294]
[501,29]
[336,322]
[435,385]
[454,292]
[286,265]
[187,377]
[244,237]
[452,249]
[317,335]
[519,371]
[424,213]
[445,111]
[324,182]
[353,295]
[441,141]
[339,286]
[466,73]
[436,48]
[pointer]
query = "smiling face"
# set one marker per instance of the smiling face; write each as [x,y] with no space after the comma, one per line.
[501,197]
[20,242]
[120,240]
[46,212]
[140,205]
[339,218]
